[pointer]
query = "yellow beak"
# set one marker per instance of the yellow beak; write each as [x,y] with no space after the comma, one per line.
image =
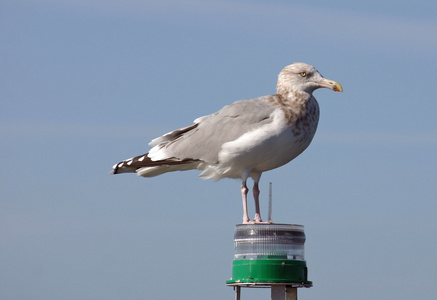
[331,84]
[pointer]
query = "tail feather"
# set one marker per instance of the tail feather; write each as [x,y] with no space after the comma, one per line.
[146,167]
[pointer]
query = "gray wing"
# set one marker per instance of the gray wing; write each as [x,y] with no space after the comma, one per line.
[204,139]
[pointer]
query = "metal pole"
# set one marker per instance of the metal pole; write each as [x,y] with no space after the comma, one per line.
[290,293]
[283,292]
[237,292]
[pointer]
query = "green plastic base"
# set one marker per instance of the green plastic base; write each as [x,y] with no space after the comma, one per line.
[269,271]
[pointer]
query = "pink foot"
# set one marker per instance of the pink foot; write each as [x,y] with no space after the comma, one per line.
[258,220]
[246,220]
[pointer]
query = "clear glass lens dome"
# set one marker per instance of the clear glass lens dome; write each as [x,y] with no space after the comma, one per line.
[254,241]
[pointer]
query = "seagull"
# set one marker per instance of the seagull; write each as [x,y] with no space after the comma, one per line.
[243,139]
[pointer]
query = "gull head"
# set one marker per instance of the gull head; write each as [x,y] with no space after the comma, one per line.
[302,77]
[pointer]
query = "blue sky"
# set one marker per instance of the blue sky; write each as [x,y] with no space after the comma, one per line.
[85,84]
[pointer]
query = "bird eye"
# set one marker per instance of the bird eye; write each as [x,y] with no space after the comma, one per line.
[303,74]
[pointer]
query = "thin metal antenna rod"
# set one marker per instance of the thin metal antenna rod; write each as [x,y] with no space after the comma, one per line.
[270,202]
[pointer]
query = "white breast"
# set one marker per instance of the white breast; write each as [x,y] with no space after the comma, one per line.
[262,149]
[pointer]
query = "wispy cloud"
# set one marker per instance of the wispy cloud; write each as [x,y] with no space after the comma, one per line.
[144,131]
[58,129]
[311,21]
[379,138]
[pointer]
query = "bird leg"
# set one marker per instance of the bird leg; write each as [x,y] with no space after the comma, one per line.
[244,191]
[257,218]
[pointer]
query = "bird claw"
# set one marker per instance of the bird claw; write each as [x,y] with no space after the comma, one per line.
[263,222]
[257,220]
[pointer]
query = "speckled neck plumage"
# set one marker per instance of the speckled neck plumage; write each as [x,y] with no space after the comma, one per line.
[293,103]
